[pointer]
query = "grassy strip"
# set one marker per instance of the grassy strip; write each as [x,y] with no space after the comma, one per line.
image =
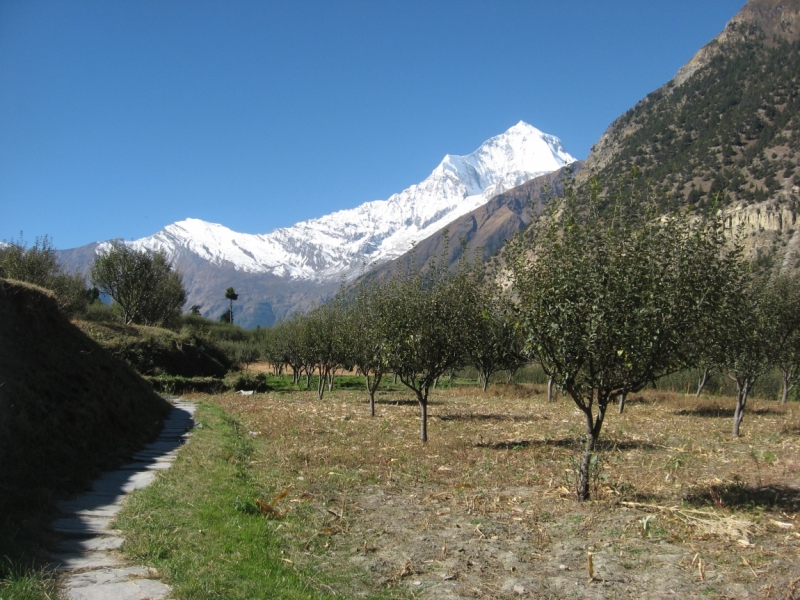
[200,527]
[18,582]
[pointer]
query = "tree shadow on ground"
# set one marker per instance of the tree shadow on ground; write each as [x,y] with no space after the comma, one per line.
[718,411]
[489,417]
[738,495]
[572,443]
[640,400]
[791,430]
[402,402]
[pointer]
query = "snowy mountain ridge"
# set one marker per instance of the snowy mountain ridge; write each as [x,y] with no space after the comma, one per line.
[338,244]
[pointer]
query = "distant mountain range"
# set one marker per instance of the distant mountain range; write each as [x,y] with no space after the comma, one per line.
[724,134]
[304,263]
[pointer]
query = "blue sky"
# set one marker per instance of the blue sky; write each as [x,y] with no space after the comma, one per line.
[118,118]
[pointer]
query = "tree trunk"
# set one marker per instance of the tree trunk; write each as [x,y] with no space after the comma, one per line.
[320,384]
[593,427]
[622,398]
[703,381]
[308,378]
[742,390]
[330,380]
[485,381]
[371,396]
[550,395]
[372,387]
[423,416]
[586,461]
[787,387]
[395,378]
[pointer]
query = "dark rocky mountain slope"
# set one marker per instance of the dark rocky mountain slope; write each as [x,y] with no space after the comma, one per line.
[725,132]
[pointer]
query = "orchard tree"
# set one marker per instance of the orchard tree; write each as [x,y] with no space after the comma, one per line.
[783,303]
[292,338]
[748,345]
[36,265]
[273,347]
[367,348]
[613,296]
[497,344]
[142,283]
[428,319]
[325,340]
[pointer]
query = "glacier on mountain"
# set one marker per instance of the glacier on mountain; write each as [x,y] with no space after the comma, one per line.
[339,244]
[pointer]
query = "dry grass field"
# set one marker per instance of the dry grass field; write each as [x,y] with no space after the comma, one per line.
[486,508]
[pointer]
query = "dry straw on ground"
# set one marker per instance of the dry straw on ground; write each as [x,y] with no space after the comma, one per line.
[486,508]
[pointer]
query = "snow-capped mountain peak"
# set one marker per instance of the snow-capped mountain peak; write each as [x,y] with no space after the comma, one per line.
[338,244]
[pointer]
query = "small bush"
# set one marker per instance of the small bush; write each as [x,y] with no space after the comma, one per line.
[240,353]
[98,312]
[241,380]
[213,330]
[154,351]
[176,385]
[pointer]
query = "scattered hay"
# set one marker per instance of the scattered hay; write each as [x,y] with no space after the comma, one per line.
[705,522]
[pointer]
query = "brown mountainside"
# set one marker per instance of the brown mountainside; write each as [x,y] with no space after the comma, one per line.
[488,227]
[723,134]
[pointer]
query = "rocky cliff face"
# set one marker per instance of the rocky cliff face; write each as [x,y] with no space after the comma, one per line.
[769,233]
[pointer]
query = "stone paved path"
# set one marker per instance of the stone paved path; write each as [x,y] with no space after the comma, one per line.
[87,551]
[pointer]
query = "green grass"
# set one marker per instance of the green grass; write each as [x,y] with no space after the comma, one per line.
[200,527]
[19,582]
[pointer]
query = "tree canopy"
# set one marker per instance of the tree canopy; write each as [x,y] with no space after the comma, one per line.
[428,319]
[613,296]
[142,283]
[38,264]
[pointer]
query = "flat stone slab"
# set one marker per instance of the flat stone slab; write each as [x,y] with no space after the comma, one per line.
[92,544]
[74,561]
[84,526]
[138,589]
[96,572]
[154,454]
[151,465]
[123,482]
[163,446]
[91,501]
[104,510]
[101,576]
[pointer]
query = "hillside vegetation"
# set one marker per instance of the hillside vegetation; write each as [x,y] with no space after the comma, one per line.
[724,134]
[68,410]
[156,351]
